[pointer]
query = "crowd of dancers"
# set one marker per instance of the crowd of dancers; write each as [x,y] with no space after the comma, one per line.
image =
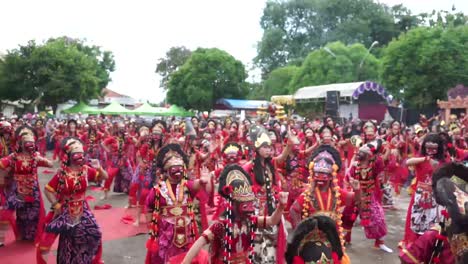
[266,191]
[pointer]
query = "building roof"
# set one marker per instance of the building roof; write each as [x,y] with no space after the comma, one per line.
[110,93]
[354,90]
[238,104]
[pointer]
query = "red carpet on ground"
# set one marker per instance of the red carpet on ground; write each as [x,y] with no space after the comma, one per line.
[111,225]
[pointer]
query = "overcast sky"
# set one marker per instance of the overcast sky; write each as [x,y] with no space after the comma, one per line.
[139,32]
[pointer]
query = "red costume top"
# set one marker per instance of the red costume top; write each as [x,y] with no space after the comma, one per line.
[71,187]
[216,234]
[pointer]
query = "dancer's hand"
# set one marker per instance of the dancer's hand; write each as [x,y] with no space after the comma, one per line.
[95,163]
[355,184]
[283,198]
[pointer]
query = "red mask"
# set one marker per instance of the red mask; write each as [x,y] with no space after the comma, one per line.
[431,148]
[321,178]
[77,158]
[29,146]
[245,209]
[176,173]
[232,158]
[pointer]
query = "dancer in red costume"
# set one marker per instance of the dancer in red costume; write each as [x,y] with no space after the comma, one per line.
[269,242]
[6,214]
[170,207]
[232,238]
[24,195]
[445,243]
[423,211]
[365,177]
[395,171]
[71,217]
[91,139]
[119,165]
[41,137]
[58,135]
[147,174]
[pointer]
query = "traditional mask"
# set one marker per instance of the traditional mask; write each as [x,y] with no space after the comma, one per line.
[245,209]
[78,158]
[29,146]
[176,172]
[431,148]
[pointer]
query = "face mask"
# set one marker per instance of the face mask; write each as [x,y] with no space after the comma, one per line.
[176,173]
[245,209]
[431,149]
[29,146]
[77,158]
[232,158]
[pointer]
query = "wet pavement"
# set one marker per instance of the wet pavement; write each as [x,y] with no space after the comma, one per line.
[132,250]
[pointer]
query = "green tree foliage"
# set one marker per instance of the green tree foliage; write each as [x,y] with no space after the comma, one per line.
[175,57]
[278,81]
[255,91]
[336,63]
[292,29]
[209,74]
[59,70]
[424,63]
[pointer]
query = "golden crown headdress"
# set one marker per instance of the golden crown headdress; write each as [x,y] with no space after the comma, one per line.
[242,193]
[231,148]
[262,139]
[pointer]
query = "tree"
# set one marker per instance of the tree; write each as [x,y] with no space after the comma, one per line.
[336,63]
[209,74]
[424,63]
[292,29]
[175,57]
[279,80]
[57,71]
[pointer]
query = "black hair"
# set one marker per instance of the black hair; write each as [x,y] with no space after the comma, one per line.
[158,121]
[260,177]
[326,127]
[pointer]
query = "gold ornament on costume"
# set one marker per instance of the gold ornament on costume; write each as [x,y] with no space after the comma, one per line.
[262,140]
[231,149]
[317,237]
[241,193]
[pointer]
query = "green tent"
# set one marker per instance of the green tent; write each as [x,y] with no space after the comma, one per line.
[80,108]
[148,110]
[175,110]
[115,109]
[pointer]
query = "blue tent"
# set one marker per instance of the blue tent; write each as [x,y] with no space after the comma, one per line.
[239,104]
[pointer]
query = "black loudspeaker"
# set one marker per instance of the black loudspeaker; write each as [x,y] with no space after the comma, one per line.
[332,103]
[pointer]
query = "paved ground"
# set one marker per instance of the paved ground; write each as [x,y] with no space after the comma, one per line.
[132,250]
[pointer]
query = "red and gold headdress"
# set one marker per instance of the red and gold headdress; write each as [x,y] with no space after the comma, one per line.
[232,148]
[325,160]
[171,155]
